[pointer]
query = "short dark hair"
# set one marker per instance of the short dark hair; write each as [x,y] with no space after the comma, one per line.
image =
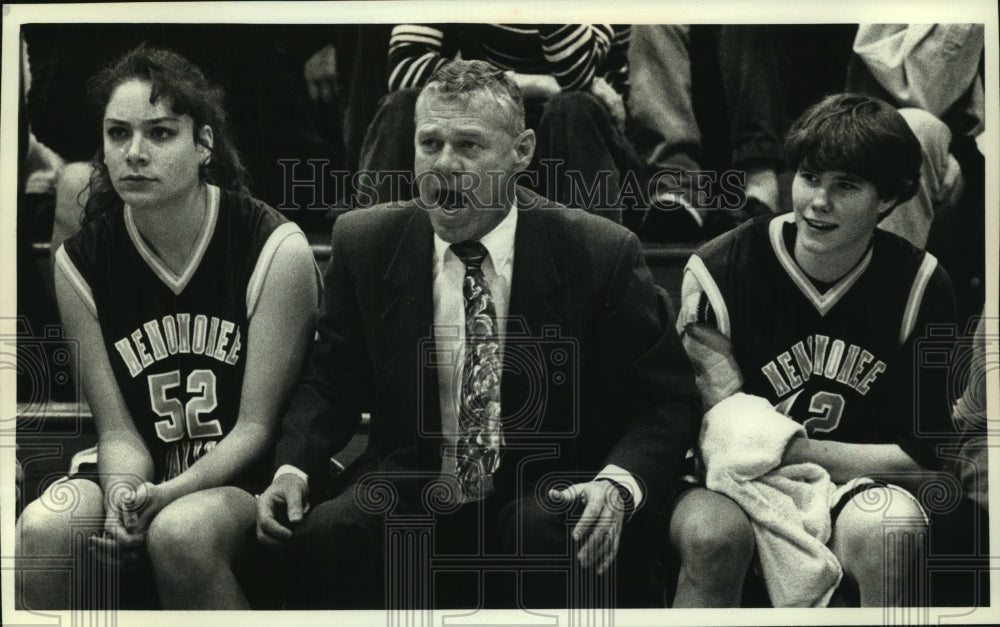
[173,77]
[459,78]
[860,135]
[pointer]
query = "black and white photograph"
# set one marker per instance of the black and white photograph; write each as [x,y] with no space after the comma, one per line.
[451,313]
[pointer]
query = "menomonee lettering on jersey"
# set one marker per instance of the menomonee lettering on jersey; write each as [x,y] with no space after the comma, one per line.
[837,359]
[177,342]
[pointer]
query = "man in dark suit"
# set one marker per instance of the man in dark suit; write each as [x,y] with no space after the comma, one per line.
[425,305]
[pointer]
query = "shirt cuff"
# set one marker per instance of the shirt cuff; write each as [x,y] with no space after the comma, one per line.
[624,478]
[288,468]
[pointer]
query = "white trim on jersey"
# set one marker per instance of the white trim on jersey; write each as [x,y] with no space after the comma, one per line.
[913,303]
[822,302]
[76,279]
[690,293]
[256,283]
[175,282]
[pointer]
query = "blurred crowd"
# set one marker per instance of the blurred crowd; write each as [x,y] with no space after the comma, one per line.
[673,130]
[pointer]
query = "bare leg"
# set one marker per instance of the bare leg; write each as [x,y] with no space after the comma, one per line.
[878,539]
[715,542]
[193,543]
[45,532]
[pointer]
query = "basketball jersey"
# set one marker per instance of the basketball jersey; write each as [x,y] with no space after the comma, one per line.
[841,359]
[177,343]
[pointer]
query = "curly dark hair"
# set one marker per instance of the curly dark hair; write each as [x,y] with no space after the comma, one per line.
[861,135]
[183,84]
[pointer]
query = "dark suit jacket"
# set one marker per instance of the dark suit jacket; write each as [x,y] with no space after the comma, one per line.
[594,373]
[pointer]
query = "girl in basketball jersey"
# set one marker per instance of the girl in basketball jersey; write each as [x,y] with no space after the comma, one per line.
[819,316]
[192,305]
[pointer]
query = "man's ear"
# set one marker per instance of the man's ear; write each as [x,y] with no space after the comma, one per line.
[206,139]
[524,147]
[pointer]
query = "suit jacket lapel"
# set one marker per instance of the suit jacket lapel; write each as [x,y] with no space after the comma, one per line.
[533,307]
[406,317]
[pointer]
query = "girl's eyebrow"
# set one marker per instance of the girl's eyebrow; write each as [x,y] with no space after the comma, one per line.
[149,121]
[847,176]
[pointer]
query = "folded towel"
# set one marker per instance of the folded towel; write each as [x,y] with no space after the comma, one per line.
[742,442]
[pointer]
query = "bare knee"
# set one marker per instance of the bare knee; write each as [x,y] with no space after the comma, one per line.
[188,532]
[878,534]
[46,523]
[712,534]
[47,528]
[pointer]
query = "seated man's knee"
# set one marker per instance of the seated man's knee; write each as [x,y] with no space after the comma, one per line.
[335,558]
[334,527]
[711,533]
[543,531]
[930,130]
[72,183]
[399,102]
[941,174]
[568,105]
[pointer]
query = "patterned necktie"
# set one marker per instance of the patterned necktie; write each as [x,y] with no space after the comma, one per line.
[479,437]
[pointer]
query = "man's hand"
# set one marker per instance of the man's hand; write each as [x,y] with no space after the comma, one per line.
[535,85]
[611,99]
[287,500]
[599,529]
[321,75]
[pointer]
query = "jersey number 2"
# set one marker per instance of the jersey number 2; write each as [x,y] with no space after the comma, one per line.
[180,417]
[828,405]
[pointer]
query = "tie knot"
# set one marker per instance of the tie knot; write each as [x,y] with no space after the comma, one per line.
[472,254]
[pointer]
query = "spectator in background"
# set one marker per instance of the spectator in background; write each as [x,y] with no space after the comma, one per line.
[710,102]
[574,78]
[936,72]
[664,129]
[934,67]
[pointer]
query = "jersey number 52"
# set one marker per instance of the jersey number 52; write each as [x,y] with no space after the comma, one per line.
[184,417]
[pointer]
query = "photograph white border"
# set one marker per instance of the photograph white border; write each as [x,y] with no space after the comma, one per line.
[622,11]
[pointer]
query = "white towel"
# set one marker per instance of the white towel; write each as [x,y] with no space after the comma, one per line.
[743,440]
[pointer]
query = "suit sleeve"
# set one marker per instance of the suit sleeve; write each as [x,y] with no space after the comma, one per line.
[326,406]
[647,369]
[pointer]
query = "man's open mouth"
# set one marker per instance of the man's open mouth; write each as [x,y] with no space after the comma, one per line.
[450,201]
